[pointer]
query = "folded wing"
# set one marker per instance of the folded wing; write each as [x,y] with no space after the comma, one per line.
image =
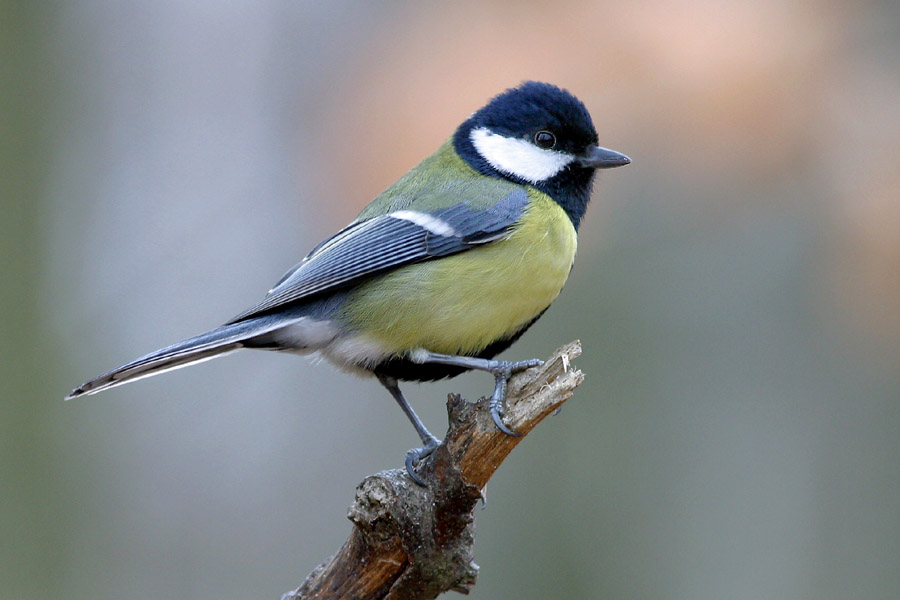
[368,248]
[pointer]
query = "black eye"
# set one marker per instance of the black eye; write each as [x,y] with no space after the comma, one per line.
[544,139]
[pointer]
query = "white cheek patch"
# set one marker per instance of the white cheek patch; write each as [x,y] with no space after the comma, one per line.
[425,221]
[518,157]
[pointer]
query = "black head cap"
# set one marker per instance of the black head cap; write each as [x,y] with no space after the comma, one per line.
[540,120]
[535,106]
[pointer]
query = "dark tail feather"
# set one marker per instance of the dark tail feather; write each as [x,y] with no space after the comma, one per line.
[205,346]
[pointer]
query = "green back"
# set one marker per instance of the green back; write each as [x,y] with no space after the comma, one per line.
[441,180]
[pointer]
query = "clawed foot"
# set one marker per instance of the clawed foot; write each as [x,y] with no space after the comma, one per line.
[416,455]
[501,370]
[502,373]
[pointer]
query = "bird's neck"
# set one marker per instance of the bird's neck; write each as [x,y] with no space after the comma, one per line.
[571,188]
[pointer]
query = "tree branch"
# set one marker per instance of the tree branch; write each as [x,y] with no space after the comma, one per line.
[412,542]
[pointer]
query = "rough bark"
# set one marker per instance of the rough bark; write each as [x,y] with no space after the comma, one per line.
[415,542]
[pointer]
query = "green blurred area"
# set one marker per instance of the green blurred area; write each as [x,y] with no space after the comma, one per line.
[736,292]
[28,504]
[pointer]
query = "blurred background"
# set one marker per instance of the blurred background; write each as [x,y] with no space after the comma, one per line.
[737,292]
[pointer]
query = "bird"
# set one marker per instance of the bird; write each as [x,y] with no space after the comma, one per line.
[442,271]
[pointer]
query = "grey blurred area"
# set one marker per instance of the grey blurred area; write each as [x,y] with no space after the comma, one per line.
[737,292]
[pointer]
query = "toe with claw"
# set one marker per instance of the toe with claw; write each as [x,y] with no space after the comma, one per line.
[502,374]
[415,456]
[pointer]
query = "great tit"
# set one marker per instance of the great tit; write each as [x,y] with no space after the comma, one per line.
[443,270]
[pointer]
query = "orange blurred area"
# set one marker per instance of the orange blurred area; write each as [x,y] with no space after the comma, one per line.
[713,85]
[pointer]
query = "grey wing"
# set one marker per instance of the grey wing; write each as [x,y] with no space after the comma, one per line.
[367,248]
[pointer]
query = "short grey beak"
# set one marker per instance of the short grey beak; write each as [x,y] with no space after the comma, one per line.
[602,158]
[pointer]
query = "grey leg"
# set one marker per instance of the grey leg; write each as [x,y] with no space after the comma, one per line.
[430,442]
[501,370]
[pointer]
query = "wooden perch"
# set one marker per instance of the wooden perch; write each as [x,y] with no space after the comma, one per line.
[414,542]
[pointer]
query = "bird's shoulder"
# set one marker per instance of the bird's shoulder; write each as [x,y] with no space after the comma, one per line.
[441,181]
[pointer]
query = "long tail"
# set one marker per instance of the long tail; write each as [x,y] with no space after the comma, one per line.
[212,344]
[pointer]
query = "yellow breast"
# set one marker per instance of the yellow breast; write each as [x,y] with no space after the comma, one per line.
[462,303]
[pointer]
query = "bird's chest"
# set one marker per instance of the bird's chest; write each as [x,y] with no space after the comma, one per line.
[462,303]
